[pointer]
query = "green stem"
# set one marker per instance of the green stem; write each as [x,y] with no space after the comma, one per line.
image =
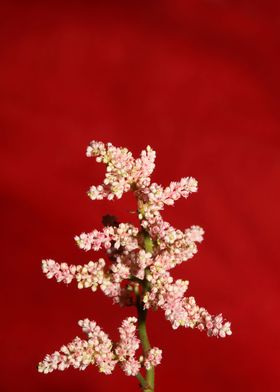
[141,380]
[147,383]
[150,374]
[148,243]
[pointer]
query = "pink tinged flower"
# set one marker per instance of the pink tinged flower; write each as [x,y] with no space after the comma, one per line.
[99,192]
[124,235]
[180,310]
[96,149]
[195,234]
[84,241]
[153,198]
[189,314]
[153,358]
[171,247]
[81,353]
[125,349]
[89,327]
[90,275]
[94,240]
[215,325]
[119,163]
[104,355]
[175,246]
[143,167]
[123,170]
[129,342]
[179,189]
[131,367]
[98,350]
[111,289]
[166,259]
[119,271]
[78,354]
[62,272]
[139,262]
[160,281]
[171,235]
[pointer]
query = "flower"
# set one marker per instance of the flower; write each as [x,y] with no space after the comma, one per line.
[129,343]
[124,235]
[90,275]
[123,171]
[153,358]
[97,350]
[139,268]
[81,353]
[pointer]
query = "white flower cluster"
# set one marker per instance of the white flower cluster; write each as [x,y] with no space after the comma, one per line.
[138,270]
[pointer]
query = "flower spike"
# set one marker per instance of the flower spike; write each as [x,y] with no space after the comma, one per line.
[137,271]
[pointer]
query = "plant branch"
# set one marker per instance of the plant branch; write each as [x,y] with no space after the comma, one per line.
[150,374]
[141,380]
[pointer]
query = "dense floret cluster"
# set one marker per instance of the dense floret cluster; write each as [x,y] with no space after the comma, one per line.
[138,270]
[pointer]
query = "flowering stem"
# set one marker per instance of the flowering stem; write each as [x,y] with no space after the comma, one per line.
[148,243]
[141,379]
[142,315]
[150,374]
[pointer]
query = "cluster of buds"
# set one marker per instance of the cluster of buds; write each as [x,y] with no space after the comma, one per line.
[99,350]
[123,171]
[138,269]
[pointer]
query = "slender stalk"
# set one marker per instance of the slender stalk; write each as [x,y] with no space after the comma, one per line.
[150,374]
[141,380]
[147,383]
[148,243]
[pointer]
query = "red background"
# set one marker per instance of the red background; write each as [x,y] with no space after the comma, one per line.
[198,81]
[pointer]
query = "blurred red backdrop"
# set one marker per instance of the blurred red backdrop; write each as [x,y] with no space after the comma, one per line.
[199,82]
